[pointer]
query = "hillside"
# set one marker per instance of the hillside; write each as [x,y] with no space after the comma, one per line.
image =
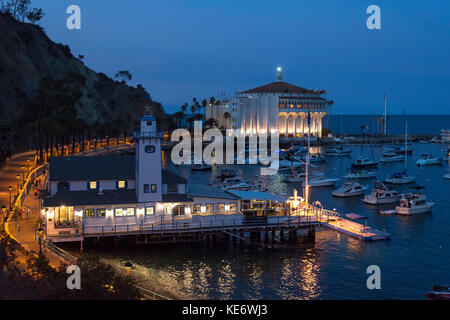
[45,91]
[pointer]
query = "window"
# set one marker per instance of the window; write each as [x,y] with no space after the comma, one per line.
[146,188]
[64,217]
[92,185]
[233,207]
[209,207]
[153,188]
[197,208]
[121,184]
[119,212]
[130,211]
[149,123]
[178,211]
[172,188]
[101,212]
[150,210]
[221,207]
[89,213]
[63,186]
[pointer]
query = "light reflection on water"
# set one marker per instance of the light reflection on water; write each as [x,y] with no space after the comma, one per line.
[334,268]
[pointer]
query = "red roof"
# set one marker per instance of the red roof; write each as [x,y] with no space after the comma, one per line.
[278,87]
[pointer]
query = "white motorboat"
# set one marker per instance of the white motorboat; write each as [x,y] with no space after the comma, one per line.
[350,189]
[402,177]
[414,203]
[427,159]
[360,174]
[320,182]
[381,194]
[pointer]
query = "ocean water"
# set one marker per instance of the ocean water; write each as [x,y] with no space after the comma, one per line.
[416,258]
[417,124]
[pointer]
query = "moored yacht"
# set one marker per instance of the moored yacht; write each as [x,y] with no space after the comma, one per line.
[338,151]
[427,159]
[350,189]
[400,178]
[381,194]
[364,163]
[320,181]
[414,203]
[389,155]
[360,174]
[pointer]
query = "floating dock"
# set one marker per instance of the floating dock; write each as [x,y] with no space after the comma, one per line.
[356,230]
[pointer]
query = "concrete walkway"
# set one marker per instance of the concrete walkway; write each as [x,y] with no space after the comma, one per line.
[23,230]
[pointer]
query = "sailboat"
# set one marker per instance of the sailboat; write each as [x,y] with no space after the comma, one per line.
[402,177]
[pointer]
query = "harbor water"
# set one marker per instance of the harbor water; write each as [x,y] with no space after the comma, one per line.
[416,257]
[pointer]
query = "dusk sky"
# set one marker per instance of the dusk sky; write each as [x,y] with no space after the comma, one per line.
[183,49]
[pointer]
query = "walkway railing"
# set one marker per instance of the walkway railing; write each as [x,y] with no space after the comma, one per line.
[151,295]
[189,226]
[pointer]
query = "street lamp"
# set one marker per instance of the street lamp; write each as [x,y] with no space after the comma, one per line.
[23,175]
[18,183]
[3,216]
[10,189]
[28,166]
[40,231]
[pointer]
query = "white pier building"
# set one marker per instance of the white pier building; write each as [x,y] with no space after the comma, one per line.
[132,195]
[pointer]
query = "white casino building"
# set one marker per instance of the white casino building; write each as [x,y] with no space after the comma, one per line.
[274,106]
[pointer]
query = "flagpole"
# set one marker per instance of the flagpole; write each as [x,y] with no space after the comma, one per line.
[307,160]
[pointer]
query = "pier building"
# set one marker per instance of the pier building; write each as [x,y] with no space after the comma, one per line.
[112,195]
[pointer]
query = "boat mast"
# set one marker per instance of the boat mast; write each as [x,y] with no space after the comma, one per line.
[307,160]
[406,141]
[385,116]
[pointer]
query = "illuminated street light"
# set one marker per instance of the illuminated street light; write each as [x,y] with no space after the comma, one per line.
[10,189]
[18,182]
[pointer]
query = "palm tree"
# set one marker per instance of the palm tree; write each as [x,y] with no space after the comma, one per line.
[226,115]
[212,101]
[210,123]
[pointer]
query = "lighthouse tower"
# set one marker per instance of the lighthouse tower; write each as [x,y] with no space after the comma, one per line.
[148,160]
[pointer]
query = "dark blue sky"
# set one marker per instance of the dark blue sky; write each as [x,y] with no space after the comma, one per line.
[180,49]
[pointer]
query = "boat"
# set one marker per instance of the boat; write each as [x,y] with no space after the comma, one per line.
[364,163]
[381,194]
[402,177]
[321,182]
[387,212]
[201,167]
[338,151]
[447,174]
[350,189]
[445,135]
[360,174]
[414,203]
[436,140]
[427,159]
[439,293]
[389,155]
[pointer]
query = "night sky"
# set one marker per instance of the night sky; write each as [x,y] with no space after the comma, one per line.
[183,49]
